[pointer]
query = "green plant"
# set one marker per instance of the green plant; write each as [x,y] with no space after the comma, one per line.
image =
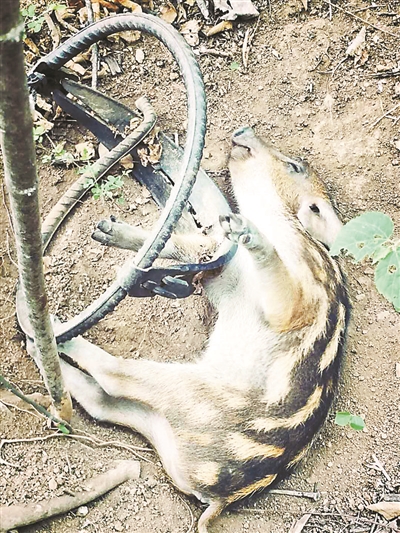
[59,155]
[234,65]
[344,418]
[107,188]
[370,236]
[34,22]
[38,132]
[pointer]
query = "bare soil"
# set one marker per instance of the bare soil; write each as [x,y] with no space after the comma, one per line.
[290,95]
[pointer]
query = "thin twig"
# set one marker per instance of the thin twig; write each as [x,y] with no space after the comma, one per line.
[190,529]
[54,30]
[383,116]
[288,95]
[95,47]
[93,440]
[37,406]
[248,38]
[360,19]
[297,493]
[7,404]
[64,23]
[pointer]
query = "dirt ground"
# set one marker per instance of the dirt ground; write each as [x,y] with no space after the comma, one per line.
[301,93]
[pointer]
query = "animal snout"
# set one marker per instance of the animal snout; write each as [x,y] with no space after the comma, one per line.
[243,131]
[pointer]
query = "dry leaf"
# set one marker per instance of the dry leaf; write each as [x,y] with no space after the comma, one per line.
[240,8]
[108,5]
[299,525]
[76,4]
[388,510]
[102,150]
[133,6]
[356,46]
[32,46]
[127,162]
[218,28]
[75,67]
[83,16]
[85,150]
[130,36]
[39,120]
[168,13]
[139,55]
[190,31]
[42,104]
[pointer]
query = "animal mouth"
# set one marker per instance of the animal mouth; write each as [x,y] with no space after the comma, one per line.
[242,143]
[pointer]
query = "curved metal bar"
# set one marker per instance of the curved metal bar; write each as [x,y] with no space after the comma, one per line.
[196,103]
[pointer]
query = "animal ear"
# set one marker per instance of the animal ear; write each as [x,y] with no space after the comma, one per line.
[320,219]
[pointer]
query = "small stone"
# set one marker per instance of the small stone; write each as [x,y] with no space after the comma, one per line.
[330,464]
[53,484]
[82,511]
[173,76]
[118,526]
[395,162]
[384,436]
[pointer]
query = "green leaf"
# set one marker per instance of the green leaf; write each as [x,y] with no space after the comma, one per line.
[343,418]
[31,11]
[357,423]
[387,277]
[364,236]
[234,65]
[63,428]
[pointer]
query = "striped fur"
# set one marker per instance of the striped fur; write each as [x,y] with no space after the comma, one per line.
[247,411]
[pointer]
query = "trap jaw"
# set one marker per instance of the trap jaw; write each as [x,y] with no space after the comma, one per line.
[177,173]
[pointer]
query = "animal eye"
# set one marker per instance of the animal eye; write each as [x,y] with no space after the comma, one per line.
[295,167]
[314,208]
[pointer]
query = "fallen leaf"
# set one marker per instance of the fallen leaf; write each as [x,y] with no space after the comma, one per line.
[168,13]
[240,8]
[388,510]
[130,36]
[133,6]
[39,120]
[102,150]
[85,150]
[299,525]
[190,31]
[127,162]
[218,28]
[75,67]
[356,46]
[76,4]
[42,104]
[32,46]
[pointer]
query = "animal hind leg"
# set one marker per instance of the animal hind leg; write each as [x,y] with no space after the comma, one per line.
[101,406]
[159,385]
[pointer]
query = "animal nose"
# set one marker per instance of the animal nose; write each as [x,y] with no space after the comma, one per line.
[245,130]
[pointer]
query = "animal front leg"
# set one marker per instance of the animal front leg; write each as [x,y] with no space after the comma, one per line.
[240,230]
[185,247]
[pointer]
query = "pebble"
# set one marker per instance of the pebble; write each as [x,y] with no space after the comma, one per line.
[82,511]
[53,484]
